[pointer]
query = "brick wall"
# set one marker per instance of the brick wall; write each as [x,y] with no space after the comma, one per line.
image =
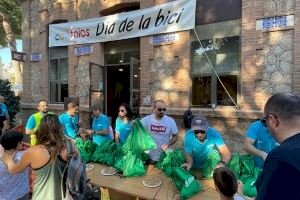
[165,69]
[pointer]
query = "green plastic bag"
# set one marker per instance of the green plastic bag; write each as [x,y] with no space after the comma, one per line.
[247,165]
[86,149]
[185,183]
[249,186]
[107,153]
[234,165]
[139,140]
[131,165]
[210,163]
[170,159]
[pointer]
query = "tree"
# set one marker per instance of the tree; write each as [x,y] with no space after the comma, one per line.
[11,100]
[10,29]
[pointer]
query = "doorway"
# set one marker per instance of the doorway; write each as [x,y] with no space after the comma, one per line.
[118,88]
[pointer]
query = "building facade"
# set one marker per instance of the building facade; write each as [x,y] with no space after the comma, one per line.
[252,46]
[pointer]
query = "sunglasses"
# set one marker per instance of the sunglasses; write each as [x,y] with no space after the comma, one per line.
[122,111]
[161,109]
[264,120]
[199,131]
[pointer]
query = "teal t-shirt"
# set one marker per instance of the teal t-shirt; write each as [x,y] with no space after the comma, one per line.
[70,124]
[3,109]
[123,129]
[263,140]
[199,150]
[100,123]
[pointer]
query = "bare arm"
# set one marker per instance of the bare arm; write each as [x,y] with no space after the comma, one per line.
[14,168]
[189,162]
[29,131]
[249,148]
[226,154]
[6,124]
[173,139]
[103,132]
[117,137]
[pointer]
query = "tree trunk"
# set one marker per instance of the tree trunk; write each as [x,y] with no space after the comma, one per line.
[12,45]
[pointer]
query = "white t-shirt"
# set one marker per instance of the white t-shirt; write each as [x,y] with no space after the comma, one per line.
[160,130]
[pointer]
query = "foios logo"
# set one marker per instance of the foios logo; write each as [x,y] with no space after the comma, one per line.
[59,36]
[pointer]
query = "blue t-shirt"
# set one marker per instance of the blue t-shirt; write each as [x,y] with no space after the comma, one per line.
[99,124]
[199,150]
[123,129]
[70,124]
[263,140]
[4,110]
[31,122]
[13,186]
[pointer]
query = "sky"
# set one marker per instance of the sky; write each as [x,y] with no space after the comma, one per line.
[5,54]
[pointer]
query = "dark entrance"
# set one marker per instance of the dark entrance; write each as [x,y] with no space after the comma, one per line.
[118,88]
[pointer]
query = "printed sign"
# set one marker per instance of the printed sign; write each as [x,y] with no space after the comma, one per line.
[163,39]
[170,17]
[18,56]
[83,50]
[35,57]
[275,22]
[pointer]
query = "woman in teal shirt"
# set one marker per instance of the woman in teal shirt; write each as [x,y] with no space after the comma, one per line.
[123,123]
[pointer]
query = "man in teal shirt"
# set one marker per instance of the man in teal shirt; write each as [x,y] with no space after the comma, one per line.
[69,120]
[100,125]
[35,119]
[200,141]
[259,142]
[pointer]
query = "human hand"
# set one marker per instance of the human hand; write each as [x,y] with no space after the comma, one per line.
[264,155]
[89,132]
[240,187]
[188,166]
[164,147]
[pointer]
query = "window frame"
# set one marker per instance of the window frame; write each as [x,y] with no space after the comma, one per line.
[214,79]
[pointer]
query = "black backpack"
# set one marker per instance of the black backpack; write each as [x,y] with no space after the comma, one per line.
[187,118]
[75,185]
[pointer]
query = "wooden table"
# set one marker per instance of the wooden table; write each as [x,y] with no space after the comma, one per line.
[133,188]
[128,186]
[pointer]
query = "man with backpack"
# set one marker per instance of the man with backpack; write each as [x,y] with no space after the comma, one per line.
[187,118]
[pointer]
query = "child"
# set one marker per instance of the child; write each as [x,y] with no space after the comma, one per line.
[13,186]
[226,184]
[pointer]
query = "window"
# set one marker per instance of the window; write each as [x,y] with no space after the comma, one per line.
[224,54]
[58,71]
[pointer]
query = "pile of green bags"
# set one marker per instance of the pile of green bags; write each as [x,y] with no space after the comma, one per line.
[170,159]
[107,153]
[210,163]
[245,170]
[131,165]
[185,183]
[86,149]
[170,162]
[138,141]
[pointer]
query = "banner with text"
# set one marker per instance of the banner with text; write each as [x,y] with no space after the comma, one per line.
[170,17]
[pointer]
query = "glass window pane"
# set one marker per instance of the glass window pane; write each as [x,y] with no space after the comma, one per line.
[201,91]
[227,54]
[58,52]
[53,92]
[113,58]
[230,82]
[63,69]
[200,64]
[53,70]
[128,55]
[64,92]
